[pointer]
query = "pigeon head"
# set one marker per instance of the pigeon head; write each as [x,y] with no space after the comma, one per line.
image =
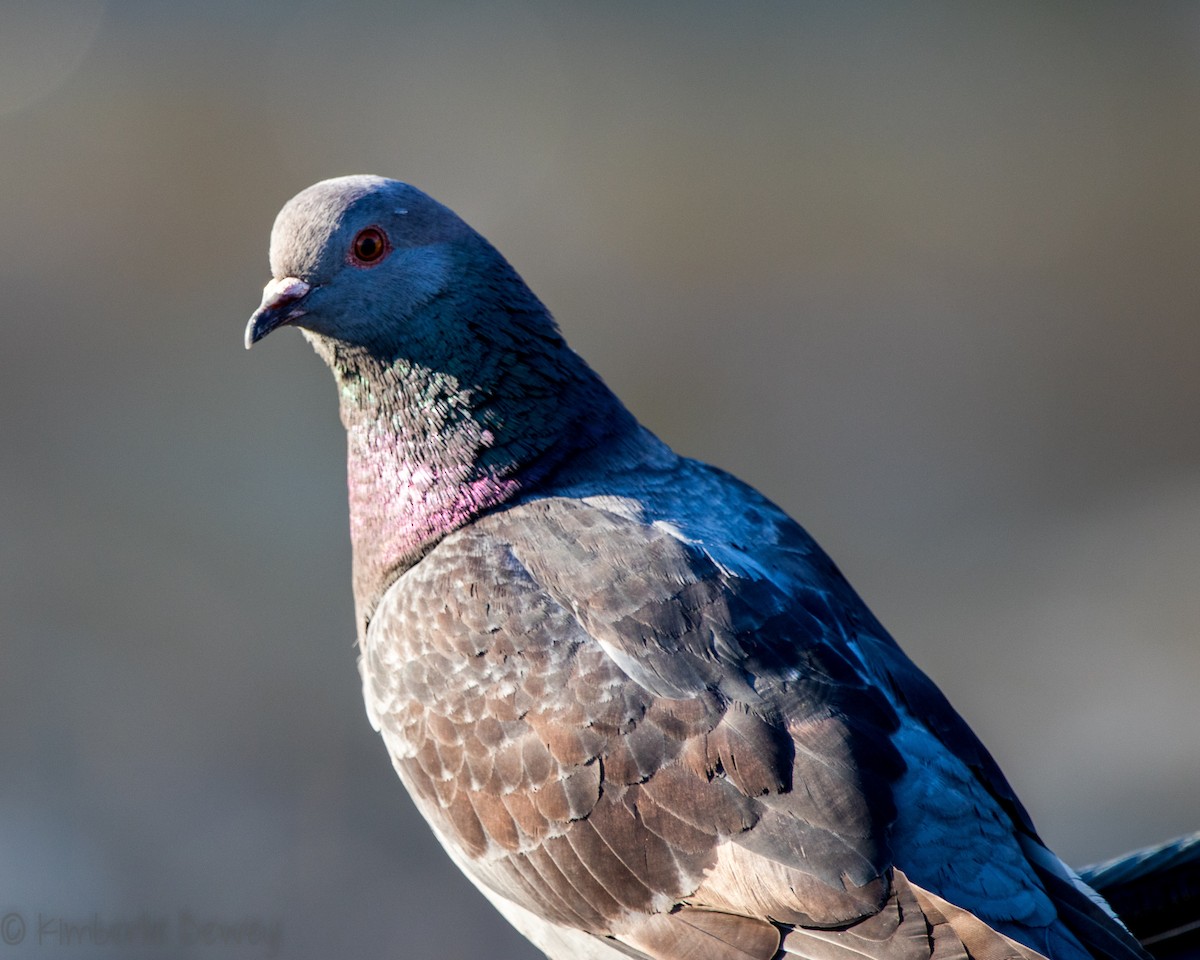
[355,259]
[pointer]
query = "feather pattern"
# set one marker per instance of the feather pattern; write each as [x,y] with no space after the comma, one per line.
[639,706]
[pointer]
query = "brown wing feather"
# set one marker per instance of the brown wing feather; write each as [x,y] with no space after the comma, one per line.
[979,940]
[901,930]
[680,827]
[697,934]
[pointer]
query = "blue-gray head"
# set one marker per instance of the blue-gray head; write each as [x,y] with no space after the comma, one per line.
[352,255]
[356,259]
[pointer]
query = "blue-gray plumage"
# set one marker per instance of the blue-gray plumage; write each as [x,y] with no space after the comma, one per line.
[639,706]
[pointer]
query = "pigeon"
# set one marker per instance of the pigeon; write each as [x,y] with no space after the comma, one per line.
[640,708]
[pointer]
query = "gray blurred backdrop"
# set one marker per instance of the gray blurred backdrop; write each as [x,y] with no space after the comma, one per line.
[927,274]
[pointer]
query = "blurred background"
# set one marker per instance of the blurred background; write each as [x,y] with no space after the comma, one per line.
[926,274]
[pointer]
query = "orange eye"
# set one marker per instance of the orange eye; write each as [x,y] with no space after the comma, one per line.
[369,247]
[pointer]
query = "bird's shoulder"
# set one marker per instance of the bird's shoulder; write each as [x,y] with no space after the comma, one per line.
[688,579]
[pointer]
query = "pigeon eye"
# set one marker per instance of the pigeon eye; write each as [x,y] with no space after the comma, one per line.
[369,247]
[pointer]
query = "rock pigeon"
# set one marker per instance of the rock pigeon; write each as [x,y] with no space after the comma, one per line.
[641,709]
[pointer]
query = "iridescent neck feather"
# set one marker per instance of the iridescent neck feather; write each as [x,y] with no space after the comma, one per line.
[427,453]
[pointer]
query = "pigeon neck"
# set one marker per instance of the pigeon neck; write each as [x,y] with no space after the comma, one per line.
[427,454]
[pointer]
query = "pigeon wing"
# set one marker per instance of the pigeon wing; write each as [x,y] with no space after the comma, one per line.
[610,729]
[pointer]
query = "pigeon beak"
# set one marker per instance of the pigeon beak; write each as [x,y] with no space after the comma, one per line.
[280,304]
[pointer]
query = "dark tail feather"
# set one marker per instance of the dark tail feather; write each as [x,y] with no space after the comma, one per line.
[1157,893]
